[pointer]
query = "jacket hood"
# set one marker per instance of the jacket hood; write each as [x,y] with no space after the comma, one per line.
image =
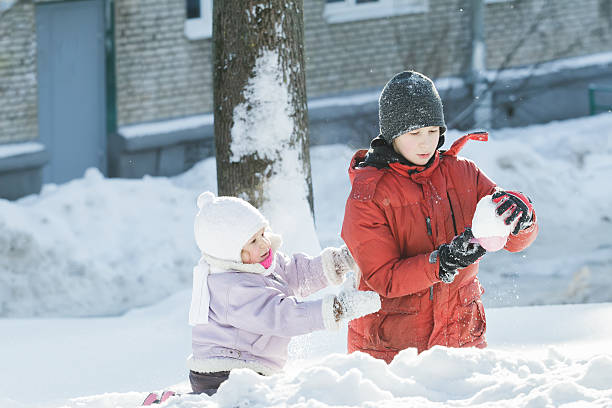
[459,143]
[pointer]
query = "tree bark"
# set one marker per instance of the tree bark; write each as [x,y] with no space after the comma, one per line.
[247,33]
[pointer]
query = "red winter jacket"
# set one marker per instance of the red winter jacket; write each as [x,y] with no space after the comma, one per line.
[394,218]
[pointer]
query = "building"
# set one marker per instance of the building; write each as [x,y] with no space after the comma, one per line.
[126,85]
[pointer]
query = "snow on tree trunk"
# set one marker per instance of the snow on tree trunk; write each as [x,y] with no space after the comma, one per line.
[261,117]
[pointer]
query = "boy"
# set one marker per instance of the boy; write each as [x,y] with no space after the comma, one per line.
[407,223]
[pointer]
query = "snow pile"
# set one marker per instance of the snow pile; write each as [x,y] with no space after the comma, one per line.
[99,246]
[440,376]
[565,168]
[95,246]
[437,377]
[534,359]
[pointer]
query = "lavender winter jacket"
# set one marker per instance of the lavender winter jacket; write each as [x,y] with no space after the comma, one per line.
[253,316]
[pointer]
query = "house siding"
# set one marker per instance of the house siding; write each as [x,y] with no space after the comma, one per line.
[537,31]
[160,73]
[18,91]
[365,54]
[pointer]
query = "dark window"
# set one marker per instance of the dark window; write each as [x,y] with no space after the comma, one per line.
[366,1]
[335,1]
[193,9]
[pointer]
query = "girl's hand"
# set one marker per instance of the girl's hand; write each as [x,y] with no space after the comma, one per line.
[349,305]
[337,262]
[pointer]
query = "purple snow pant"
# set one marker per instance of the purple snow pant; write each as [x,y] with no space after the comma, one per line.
[207,383]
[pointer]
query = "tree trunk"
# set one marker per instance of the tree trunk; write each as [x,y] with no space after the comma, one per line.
[260,109]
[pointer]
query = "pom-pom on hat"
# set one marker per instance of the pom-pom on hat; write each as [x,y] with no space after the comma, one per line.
[223,225]
[409,101]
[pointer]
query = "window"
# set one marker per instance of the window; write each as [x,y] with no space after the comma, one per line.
[340,11]
[199,19]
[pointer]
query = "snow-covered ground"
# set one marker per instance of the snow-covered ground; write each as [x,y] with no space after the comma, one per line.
[103,247]
[538,356]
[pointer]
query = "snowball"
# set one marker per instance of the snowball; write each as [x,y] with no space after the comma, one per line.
[489,228]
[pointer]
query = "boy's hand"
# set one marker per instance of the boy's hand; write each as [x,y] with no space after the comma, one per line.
[519,206]
[459,253]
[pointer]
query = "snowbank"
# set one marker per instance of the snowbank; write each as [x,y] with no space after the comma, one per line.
[535,358]
[565,167]
[97,246]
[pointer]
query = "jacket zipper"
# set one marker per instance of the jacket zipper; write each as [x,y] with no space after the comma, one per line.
[452,214]
[429,232]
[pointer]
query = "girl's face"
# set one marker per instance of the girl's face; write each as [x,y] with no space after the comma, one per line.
[256,248]
[417,146]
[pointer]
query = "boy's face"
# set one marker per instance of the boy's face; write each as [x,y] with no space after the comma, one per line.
[256,249]
[417,146]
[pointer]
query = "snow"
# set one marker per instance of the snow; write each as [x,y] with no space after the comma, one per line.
[489,228]
[78,260]
[95,246]
[508,74]
[486,222]
[268,101]
[534,359]
[16,149]
[166,126]
[6,4]
[559,65]
[565,169]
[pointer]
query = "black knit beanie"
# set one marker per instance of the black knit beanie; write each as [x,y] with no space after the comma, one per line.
[409,101]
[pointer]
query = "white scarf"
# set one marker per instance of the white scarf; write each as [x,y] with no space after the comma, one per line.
[200,294]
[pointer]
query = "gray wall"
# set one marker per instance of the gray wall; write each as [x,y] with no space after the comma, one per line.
[533,31]
[365,54]
[160,73]
[18,99]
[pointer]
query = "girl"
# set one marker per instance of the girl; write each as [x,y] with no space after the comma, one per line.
[407,223]
[244,305]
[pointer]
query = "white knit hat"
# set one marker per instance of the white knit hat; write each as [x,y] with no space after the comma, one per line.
[223,225]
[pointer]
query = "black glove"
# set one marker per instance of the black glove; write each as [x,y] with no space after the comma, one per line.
[519,206]
[459,253]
